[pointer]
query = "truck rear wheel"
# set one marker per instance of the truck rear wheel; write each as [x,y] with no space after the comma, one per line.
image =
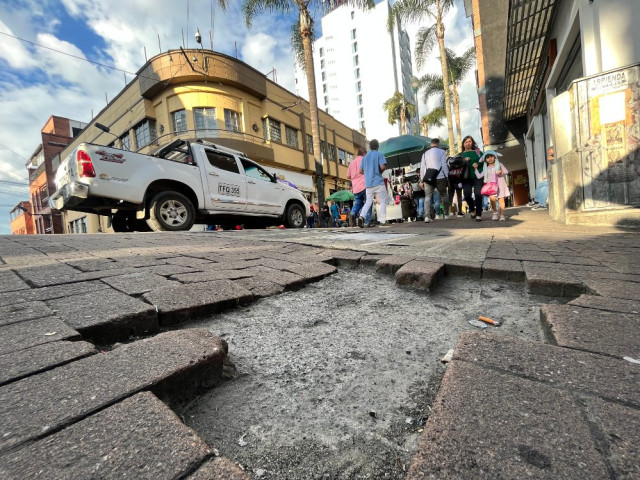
[170,211]
[295,216]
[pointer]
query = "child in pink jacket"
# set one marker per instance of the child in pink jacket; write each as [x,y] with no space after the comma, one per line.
[495,172]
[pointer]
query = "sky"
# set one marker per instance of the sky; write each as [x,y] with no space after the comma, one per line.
[69,57]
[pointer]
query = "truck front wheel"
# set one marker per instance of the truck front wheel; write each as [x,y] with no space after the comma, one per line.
[295,216]
[170,211]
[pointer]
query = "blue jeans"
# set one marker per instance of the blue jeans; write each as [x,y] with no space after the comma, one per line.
[420,202]
[436,201]
[359,200]
[542,193]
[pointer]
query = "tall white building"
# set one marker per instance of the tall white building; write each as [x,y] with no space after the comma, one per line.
[359,64]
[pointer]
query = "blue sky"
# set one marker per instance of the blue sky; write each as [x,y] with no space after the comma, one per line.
[37,81]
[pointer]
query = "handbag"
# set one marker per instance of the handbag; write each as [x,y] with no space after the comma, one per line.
[431,175]
[489,188]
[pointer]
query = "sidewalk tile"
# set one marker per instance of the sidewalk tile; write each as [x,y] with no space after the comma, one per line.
[503,269]
[607,303]
[20,312]
[219,468]
[420,274]
[18,336]
[392,263]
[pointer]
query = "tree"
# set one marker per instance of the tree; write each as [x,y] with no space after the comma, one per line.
[251,8]
[399,109]
[432,119]
[416,10]
[434,85]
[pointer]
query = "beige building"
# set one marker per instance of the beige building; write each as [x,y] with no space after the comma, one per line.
[208,95]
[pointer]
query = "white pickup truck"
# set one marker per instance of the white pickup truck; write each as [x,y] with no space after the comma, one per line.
[183,182]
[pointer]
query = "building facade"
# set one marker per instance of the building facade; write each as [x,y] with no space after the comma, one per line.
[208,95]
[22,219]
[559,92]
[55,134]
[359,64]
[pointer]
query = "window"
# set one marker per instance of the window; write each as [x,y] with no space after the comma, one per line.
[292,136]
[253,170]
[362,127]
[322,63]
[356,61]
[321,52]
[324,88]
[361,112]
[125,141]
[310,144]
[356,73]
[349,157]
[145,133]
[353,34]
[326,100]
[78,225]
[353,14]
[359,99]
[342,157]
[231,120]
[271,130]
[332,151]
[179,121]
[358,86]
[354,47]
[206,121]
[222,161]
[324,76]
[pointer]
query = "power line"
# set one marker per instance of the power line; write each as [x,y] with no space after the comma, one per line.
[19,184]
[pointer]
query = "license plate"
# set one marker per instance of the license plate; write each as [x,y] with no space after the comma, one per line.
[229,190]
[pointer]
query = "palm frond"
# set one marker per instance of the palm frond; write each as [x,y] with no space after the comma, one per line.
[252,8]
[425,40]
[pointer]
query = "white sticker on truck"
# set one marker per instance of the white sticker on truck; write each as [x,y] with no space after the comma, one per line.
[230,190]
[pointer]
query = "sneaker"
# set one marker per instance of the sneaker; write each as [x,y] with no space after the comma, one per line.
[360,222]
[532,204]
[427,220]
[473,216]
[539,207]
[478,219]
[461,214]
[384,224]
[495,216]
[503,218]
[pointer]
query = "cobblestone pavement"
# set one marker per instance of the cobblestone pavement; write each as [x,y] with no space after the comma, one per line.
[89,372]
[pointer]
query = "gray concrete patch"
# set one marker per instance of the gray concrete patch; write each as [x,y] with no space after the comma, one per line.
[136,438]
[184,302]
[220,468]
[137,283]
[576,371]
[420,274]
[106,316]
[49,293]
[20,312]
[18,336]
[468,434]
[29,361]
[312,364]
[598,331]
[10,282]
[607,303]
[42,404]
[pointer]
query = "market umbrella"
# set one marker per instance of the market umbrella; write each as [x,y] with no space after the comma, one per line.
[404,150]
[341,196]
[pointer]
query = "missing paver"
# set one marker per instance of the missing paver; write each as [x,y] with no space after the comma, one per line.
[335,380]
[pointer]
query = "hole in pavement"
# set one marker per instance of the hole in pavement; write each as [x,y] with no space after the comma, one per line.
[336,380]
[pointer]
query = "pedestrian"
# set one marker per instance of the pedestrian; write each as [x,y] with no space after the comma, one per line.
[324,210]
[358,187]
[457,173]
[471,185]
[434,173]
[312,217]
[335,214]
[418,195]
[372,166]
[494,183]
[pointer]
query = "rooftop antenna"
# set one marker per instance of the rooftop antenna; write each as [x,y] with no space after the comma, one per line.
[145,54]
[183,38]
[159,47]
[187,22]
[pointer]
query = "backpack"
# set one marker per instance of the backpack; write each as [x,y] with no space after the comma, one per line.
[456,168]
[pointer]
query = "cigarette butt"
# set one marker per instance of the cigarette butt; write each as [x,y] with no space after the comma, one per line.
[489,321]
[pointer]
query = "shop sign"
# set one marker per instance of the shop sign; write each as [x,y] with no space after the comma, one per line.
[608,83]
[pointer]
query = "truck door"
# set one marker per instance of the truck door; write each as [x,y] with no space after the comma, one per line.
[264,195]
[227,185]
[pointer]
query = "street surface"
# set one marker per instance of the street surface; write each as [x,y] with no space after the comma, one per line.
[95,360]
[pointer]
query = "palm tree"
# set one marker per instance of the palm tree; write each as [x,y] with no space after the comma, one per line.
[432,119]
[458,69]
[399,108]
[251,8]
[416,10]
